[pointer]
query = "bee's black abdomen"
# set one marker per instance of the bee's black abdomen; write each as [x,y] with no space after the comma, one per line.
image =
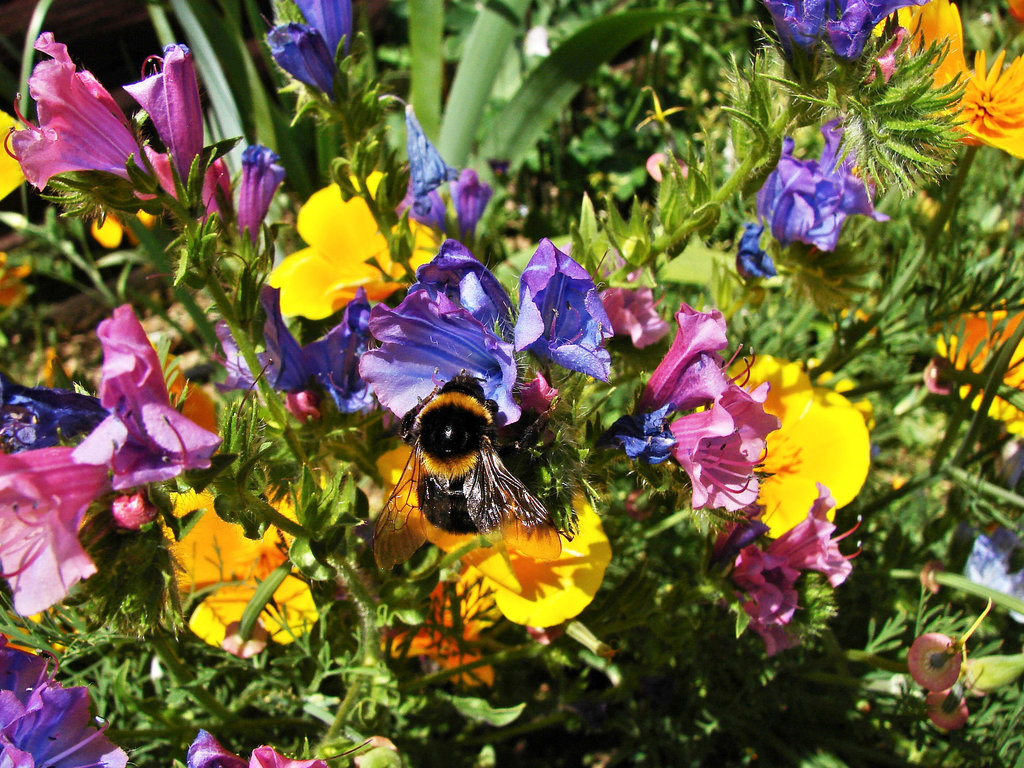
[444,504]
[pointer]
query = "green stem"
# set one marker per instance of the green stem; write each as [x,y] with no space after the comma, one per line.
[963,584]
[879,662]
[184,678]
[369,644]
[525,650]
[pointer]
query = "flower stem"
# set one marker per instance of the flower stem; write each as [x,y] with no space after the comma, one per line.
[185,679]
[963,584]
[369,645]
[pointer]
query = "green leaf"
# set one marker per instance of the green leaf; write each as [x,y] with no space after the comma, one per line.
[551,86]
[486,46]
[263,594]
[426,50]
[480,711]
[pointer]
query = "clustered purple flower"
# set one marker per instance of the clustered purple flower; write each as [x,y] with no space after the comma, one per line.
[457,319]
[719,445]
[39,417]
[768,576]
[44,724]
[847,24]
[807,201]
[330,362]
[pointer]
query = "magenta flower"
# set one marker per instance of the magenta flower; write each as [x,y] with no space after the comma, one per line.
[810,546]
[171,99]
[633,312]
[206,752]
[44,724]
[769,582]
[560,314]
[538,395]
[720,447]
[691,373]
[44,495]
[261,176]
[80,128]
[768,576]
[144,440]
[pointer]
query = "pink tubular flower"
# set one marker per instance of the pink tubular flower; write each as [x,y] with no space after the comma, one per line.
[43,497]
[809,545]
[720,447]
[768,577]
[633,312]
[80,128]
[691,373]
[206,752]
[144,440]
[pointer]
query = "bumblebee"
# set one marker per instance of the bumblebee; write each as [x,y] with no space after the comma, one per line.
[457,480]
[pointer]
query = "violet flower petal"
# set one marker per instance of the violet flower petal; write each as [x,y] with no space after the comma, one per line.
[332,18]
[39,417]
[300,50]
[560,314]
[261,176]
[206,752]
[427,341]
[427,170]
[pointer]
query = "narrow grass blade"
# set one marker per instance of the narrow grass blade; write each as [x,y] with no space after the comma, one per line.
[426,48]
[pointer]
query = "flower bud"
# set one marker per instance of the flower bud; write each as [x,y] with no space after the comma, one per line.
[305,405]
[132,511]
[991,672]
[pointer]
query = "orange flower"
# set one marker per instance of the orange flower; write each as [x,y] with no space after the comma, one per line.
[445,639]
[12,289]
[1017,9]
[992,107]
[982,334]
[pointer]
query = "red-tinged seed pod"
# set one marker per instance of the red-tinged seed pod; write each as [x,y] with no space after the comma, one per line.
[934,662]
[946,709]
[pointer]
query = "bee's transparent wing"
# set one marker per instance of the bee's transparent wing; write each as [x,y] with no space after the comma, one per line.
[498,502]
[399,531]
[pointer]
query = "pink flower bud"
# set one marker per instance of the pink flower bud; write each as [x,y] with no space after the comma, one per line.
[133,511]
[304,405]
[946,709]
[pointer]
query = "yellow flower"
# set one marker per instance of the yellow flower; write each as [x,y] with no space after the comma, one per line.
[346,251]
[109,232]
[436,639]
[993,102]
[823,439]
[12,289]
[216,559]
[11,176]
[982,334]
[535,593]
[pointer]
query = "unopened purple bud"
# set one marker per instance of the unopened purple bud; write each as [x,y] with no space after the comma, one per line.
[261,176]
[300,50]
[470,196]
[171,99]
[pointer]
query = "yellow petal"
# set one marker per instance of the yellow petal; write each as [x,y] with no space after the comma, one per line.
[344,231]
[934,22]
[292,611]
[108,233]
[11,176]
[829,445]
[554,591]
[790,393]
[313,286]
